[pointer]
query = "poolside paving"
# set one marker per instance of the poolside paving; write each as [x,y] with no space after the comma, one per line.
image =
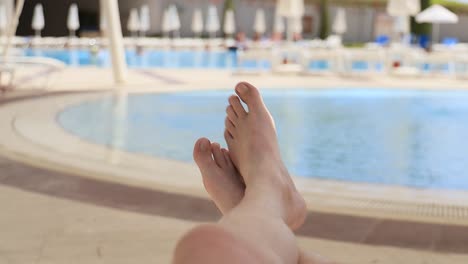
[55,217]
[50,217]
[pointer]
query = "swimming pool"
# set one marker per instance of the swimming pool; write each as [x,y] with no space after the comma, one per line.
[178,59]
[171,59]
[394,137]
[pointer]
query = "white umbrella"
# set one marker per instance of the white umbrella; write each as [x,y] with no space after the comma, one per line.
[73,22]
[102,22]
[38,22]
[3,19]
[197,22]
[290,8]
[212,22]
[260,24]
[398,8]
[174,17]
[166,22]
[229,23]
[414,6]
[293,10]
[133,23]
[437,14]
[279,24]
[402,10]
[296,25]
[12,27]
[145,20]
[339,24]
[402,25]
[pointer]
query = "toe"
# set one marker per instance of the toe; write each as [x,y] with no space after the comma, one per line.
[218,155]
[228,137]
[231,114]
[237,106]
[227,158]
[249,95]
[202,155]
[230,127]
[232,167]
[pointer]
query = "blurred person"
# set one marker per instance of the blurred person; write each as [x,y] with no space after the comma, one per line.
[251,186]
[241,41]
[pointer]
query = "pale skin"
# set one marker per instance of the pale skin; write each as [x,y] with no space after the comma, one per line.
[252,188]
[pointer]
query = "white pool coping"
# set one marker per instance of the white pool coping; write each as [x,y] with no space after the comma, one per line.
[31,134]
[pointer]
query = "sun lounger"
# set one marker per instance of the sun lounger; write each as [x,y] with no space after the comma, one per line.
[10,66]
[254,60]
[321,61]
[363,61]
[8,73]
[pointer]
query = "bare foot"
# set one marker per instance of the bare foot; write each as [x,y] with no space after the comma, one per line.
[221,179]
[252,141]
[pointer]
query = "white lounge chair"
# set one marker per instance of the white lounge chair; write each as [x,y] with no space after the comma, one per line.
[404,61]
[373,58]
[259,56]
[331,57]
[11,64]
[8,73]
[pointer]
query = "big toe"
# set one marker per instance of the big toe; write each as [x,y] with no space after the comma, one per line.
[202,154]
[250,95]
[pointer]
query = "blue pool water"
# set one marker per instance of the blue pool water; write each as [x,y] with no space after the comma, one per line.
[409,138]
[155,59]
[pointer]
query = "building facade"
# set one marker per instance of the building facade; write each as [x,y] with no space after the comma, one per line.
[361,20]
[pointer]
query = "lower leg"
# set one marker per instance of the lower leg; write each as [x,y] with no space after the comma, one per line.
[260,225]
[249,233]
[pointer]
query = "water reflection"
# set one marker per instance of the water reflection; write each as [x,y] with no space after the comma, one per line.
[391,137]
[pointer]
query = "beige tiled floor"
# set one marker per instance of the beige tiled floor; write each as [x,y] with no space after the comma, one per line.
[42,229]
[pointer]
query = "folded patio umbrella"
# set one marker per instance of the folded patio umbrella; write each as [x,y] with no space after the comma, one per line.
[197,22]
[102,22]
[402,25]
[402,10]
[229,23]
[133,23]
[260,23]
[3,19]
[279,24]
[73,21]
[339,24]
[406,8]
[38,22]
[293,10]
[145,20]
[212,21]
[290,8]
[174,18]
[437,14]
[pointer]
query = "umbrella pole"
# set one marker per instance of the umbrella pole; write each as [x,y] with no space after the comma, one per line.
[290,32]
[436,32]
[114,34]
[11,31]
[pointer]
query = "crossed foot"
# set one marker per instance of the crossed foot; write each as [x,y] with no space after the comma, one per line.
[253,162]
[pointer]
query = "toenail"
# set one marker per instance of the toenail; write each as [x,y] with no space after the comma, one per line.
[242,88]
[205,145]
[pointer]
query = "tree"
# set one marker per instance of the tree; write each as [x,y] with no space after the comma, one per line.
[424,29]
[324,20]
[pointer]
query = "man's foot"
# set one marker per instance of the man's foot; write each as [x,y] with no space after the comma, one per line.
[252,142]
[221,179]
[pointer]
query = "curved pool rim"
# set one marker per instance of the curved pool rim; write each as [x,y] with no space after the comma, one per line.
[26,145]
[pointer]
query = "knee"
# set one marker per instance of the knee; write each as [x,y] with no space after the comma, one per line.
[207,244]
